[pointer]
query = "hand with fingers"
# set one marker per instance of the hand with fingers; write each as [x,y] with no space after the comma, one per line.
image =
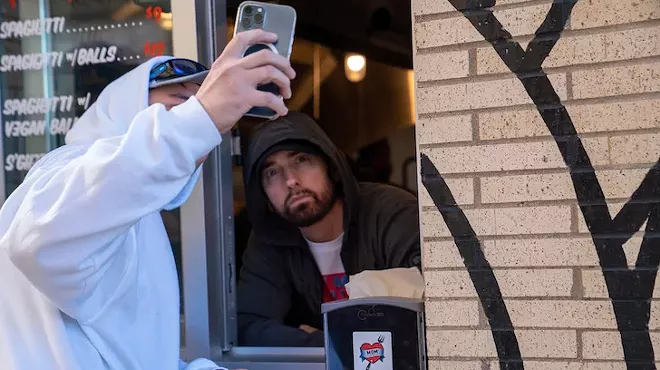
[230,89]
[308,328]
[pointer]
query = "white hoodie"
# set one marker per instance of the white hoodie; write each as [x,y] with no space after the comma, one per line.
[87,276]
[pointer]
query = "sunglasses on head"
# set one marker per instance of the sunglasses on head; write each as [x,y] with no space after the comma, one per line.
[175,68]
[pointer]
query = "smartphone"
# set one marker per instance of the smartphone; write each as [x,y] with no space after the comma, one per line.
[275,18]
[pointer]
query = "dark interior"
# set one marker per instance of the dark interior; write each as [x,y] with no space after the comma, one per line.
[379,29]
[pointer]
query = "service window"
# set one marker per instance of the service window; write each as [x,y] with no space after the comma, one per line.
[365,104]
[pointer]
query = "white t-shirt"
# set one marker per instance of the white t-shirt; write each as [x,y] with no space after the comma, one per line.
[328,259]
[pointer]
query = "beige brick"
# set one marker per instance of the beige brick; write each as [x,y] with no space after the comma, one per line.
[568,365]
[460,343]
[441,66]
[479,343]
[606,345]
[512,283]
[504,221]
[514,156]
[426,7]
[616,116]
[555,252]
[454,365]
[604,117]
[461,188]
[635,79]
[597,13]
[642,148]
[459,30]
[593,284]
[521,188]
[522,21]
[576,50]
[489,62]
[440,254]
[511,124]
[444,129]
[620,183]
[452,313]
[444,32]
[632,44]
[532,220]
[562,314]
[443,254]
[433,225]
[448,284]
[475,95]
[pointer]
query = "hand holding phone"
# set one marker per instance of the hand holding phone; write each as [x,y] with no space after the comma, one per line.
[228,91]
[274,18]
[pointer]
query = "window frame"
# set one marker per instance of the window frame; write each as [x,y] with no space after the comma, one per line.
[207,230]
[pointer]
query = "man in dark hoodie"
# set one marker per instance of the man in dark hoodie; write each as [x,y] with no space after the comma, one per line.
[313,226]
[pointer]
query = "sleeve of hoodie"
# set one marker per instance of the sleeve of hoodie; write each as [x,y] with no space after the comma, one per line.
[264,299]
[74,210]
[398,227]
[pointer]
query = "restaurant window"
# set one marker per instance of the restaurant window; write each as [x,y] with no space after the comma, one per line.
[56,56]
[370,118]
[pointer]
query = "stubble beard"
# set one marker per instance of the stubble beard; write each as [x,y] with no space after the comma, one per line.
[309,213]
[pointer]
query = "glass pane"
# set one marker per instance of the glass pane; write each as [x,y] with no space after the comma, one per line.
[371,122]
[56,57]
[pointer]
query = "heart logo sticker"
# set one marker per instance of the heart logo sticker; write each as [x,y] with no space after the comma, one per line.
[372,350]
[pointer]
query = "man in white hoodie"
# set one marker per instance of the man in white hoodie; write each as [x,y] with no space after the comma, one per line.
[87,276]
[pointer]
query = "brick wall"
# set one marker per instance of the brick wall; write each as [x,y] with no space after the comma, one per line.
[518,266]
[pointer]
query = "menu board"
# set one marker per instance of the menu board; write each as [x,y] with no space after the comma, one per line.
[56,56]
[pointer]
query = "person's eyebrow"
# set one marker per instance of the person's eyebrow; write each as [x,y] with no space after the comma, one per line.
[268,164]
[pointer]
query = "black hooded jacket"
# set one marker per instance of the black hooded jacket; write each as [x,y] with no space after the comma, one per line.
[280,286]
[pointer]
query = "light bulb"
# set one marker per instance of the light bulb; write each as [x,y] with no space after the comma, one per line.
[355,67]
[356,62]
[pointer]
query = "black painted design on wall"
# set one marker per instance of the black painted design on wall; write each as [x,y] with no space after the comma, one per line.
[481,273]
[630,290]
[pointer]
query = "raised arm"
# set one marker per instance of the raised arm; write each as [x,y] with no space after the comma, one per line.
[67,220]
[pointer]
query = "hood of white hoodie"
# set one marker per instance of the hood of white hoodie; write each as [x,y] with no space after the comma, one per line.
[113,112]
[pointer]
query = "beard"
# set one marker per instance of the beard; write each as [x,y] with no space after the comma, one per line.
[310,212]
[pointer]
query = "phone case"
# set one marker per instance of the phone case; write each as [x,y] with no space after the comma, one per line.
[275,18]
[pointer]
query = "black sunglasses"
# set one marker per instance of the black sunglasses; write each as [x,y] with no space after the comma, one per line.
[175,68]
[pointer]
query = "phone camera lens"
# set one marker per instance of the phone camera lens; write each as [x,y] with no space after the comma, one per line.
[248,10]
[246,22]
[258,17]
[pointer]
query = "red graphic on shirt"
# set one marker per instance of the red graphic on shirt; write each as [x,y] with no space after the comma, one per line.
[334,287]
